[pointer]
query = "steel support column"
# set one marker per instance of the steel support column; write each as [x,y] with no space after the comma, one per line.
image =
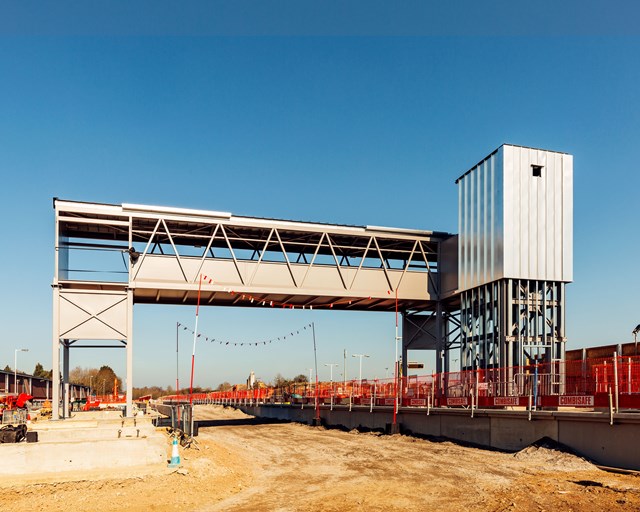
[405,350]
[513,323]
[55,356]
[441,342]
[65,378]
[129,353]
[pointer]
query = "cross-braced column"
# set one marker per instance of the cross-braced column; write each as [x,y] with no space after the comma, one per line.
[515,323]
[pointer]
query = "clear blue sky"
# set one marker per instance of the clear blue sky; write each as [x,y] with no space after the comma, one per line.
[364,115]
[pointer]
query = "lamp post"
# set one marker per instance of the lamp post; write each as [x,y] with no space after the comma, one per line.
[344,371]
[90,381]
[360,374]
[15,368]
[331,365]
[386,373]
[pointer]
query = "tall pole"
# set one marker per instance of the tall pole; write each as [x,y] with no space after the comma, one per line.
[195,337]
[15,368]
[345,368]
[360,374]
[177,365]
[331,365]
[315,357]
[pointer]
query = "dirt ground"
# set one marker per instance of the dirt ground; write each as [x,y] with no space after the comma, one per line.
[244,466]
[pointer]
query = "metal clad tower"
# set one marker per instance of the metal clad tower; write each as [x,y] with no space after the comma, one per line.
[515,255]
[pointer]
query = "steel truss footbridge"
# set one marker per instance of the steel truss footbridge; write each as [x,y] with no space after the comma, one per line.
[110,257]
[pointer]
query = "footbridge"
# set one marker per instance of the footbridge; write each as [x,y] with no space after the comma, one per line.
[110,257]
[495,291]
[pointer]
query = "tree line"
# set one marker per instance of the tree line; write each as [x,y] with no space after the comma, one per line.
[103,380]
[38,371]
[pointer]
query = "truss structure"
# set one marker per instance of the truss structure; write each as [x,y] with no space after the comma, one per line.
[110,257]
[514,323]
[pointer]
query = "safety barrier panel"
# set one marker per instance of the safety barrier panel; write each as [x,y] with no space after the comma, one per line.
[612,382]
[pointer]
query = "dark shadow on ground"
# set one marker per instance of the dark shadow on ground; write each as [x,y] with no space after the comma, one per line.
[238,422]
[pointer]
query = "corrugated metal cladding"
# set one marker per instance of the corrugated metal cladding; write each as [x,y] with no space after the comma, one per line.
[515,211]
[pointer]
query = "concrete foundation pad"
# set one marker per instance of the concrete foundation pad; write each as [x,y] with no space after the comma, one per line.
[32,458]
[93,426]
[89,441]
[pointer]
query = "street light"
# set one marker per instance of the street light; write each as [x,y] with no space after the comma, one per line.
[344,372]
[331,365]
[15,368]
[360,356]
[386,373]
[90,379]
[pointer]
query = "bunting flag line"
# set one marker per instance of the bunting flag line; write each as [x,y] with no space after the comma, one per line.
[245,343]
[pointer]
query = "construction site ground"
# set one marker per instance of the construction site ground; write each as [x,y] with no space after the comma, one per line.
[242,465]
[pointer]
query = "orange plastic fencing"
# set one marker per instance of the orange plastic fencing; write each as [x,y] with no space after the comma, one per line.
[580,383]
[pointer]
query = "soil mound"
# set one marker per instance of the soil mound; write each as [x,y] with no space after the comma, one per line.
[219,412]
[548,452]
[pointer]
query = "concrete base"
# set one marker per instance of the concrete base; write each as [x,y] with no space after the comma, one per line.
[587,433]
[86,444]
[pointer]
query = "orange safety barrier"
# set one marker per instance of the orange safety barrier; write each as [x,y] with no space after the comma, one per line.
[581,383]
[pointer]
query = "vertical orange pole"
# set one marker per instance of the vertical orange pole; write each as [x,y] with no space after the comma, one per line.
[195,337]
[177,359]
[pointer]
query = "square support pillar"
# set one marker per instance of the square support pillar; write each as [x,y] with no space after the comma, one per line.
[129,377]
[55,357]
[442,354]
[65,378]
[405,360]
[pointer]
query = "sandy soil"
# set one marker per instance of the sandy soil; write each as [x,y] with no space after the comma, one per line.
[244,466]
